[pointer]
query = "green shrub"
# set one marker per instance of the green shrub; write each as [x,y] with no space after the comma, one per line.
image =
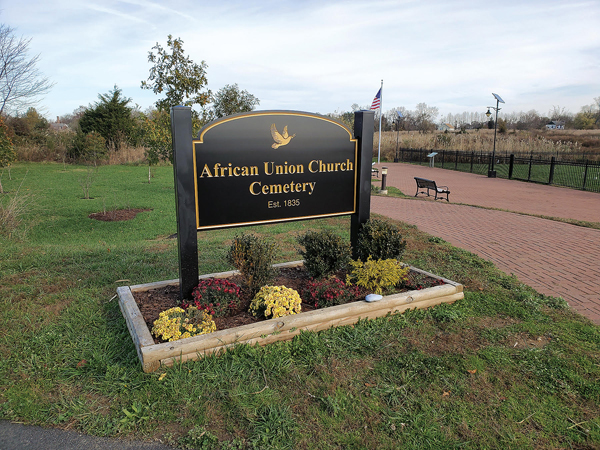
[378,275]
[325,252]
[379,240]
[253,256]
[275,301]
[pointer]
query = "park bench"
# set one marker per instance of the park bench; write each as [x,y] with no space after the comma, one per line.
[374,170]
[424,183]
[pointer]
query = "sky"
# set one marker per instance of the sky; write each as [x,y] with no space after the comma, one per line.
[324,56]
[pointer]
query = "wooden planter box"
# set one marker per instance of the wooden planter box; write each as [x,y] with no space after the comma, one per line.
[152,355]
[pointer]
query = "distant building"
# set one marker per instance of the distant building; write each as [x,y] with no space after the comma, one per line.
[555,125]
[445,127]
[58,125]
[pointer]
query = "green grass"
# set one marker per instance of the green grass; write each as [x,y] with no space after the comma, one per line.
[503,368]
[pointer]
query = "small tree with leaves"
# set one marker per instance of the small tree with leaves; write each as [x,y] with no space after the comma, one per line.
[231,100]
[176,76]
[7,151]
[157,139]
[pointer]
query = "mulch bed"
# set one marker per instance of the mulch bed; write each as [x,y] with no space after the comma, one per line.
[117,215]
[152,302]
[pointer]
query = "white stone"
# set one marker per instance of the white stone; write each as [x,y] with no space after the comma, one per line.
[373,297]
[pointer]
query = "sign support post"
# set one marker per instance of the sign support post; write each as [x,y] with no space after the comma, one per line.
[183,169]
[363,131]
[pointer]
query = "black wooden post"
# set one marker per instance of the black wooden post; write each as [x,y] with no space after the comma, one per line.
[185,196]
[511,166]
[585,175]
[552,163]
[363,131]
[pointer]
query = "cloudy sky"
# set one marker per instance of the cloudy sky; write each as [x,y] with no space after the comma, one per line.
[323,56]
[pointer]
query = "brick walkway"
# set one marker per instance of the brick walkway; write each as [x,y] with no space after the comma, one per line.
[553,257]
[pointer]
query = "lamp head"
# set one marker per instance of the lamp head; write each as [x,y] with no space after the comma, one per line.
[488,113]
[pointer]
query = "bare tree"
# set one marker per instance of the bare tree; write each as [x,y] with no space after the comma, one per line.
[21,83]
[425,117]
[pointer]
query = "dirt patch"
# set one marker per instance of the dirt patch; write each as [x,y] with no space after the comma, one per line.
[117,215]
[442,343]
[525,340]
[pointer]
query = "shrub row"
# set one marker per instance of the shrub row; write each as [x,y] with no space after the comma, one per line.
[325,254]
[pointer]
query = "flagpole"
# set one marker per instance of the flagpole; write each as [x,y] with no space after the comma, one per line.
[380,103]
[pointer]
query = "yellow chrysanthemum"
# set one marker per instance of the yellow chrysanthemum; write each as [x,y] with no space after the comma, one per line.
[276,301]
[177,323]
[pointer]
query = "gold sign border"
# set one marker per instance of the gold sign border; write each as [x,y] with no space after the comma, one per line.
[200,140]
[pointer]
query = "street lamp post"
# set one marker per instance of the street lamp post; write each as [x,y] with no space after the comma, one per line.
[397,158]
[491,171]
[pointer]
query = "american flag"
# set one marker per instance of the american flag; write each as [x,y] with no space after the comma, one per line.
[377,100]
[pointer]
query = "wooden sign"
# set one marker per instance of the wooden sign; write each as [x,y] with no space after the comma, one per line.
[273,166]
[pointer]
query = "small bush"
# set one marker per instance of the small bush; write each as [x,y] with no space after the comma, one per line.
[216,296]
[329,292]
[253,256]
[275,301]
[177,323]
[378,275]
[325,253]
[379,240]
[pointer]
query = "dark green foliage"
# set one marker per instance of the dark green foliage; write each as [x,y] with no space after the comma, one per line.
[379,240]
[231,100]
[325,252]
[88,147]
[253,256]
[7,152]
[110,117]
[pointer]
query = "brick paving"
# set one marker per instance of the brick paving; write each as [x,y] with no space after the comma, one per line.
[553,257]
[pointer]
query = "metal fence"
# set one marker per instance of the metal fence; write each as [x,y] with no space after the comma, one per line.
[583,175]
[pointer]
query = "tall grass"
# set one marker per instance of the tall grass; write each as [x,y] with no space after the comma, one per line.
[520,143]
[14,206]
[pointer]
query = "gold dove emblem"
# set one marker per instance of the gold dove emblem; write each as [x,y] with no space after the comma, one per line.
[280,138]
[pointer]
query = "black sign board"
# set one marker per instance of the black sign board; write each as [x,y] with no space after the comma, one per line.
[273,166]
[265,167]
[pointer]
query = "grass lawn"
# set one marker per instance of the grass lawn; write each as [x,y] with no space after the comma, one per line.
[503,368]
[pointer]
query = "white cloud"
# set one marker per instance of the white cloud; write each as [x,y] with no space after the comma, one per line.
[325,56]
